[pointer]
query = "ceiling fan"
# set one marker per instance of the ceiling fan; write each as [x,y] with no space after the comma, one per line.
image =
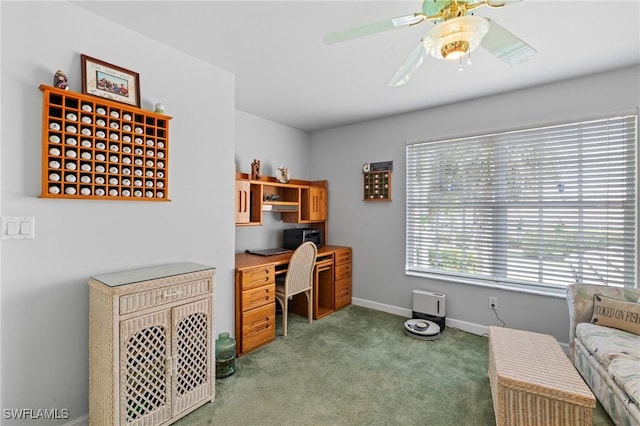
[457,33]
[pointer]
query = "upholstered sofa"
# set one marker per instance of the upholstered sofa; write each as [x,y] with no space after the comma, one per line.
[607,356]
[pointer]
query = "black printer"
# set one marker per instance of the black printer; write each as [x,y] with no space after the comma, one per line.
[296,236]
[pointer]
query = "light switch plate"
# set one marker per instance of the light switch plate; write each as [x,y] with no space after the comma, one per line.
[17,228]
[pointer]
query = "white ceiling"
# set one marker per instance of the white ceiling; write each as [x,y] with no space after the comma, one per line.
[285,73]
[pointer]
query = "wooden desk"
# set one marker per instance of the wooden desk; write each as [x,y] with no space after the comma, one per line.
[255,303]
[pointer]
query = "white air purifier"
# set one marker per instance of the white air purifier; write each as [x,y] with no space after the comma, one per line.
[429,315]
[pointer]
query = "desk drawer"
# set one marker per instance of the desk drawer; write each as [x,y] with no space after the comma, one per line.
[153,297]
[343,256]
[258,296]
[343,293]
[252,278]
[258,327]
[342,271]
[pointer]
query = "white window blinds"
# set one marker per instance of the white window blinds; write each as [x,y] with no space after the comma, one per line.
[548,206]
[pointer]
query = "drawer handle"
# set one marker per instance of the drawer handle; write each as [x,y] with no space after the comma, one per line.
[259,326]
[175,293]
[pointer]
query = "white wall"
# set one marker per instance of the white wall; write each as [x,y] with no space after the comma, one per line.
[274,145]
[376,231]
[44,290]
[44,296]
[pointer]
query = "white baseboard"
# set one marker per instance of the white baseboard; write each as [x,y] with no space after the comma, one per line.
[469,327]
[79,421]
[480,330]
[382,307]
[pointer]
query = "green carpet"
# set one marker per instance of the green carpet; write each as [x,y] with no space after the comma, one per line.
[357,367]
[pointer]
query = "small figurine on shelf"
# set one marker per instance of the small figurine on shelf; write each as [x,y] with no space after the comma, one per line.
[159,108]
[255,170]
[60,80]
[283,174]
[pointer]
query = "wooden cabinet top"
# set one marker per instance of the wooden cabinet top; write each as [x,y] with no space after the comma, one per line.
[248,261]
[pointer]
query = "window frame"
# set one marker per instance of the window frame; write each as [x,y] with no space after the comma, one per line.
[509,284]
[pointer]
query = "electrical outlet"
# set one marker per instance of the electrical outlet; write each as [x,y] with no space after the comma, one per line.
[493,303]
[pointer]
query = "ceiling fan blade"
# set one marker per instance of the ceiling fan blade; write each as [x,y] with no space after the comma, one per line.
[412,63]
[505,45]
[500,3]
[375,27]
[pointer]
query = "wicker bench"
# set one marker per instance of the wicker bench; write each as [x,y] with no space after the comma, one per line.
[533,383]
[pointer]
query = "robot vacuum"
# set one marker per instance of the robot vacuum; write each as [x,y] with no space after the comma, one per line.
[421,329]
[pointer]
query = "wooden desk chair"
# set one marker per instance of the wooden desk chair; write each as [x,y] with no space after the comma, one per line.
[298,279]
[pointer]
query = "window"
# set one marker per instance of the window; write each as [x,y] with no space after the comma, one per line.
[543,207]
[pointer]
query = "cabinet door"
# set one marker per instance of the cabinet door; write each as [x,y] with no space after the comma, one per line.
[145,365]
[317,203]
[243,200]
[192,377]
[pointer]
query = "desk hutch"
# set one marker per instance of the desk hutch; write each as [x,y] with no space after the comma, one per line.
[298,201]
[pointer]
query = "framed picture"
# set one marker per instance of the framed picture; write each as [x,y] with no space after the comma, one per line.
[108,81]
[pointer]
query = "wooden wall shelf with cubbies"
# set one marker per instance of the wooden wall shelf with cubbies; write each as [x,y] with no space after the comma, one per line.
[377,186]
[93,148]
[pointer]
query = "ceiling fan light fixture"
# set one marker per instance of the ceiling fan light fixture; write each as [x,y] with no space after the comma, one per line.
[458,36]
[454,50]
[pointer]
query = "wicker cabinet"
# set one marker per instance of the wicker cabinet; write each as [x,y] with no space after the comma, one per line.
[151,355]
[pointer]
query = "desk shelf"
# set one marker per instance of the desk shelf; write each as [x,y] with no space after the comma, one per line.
[280,206]
[323,295]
